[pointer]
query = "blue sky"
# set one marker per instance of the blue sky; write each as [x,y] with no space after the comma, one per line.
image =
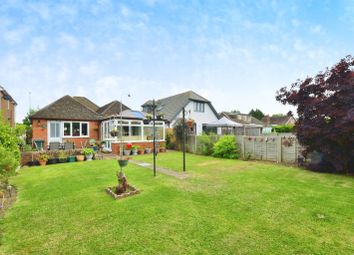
[235,53]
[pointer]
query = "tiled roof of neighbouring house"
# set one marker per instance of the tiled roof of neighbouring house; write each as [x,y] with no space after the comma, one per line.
[277,120]
[111,109]
[242,118]
[171,106]
[6,95]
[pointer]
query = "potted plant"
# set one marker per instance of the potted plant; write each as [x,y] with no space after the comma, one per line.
[163,147]
[63,156]
[127,149]
[51,158]
[147,150]
[135,149]
[43,158]
[71,157]
[80,156]
[88,152]
[148,118]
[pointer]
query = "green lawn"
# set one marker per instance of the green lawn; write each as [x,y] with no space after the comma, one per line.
[224,207]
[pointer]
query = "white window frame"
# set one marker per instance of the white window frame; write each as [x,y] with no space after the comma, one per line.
[199,107]
[71,129]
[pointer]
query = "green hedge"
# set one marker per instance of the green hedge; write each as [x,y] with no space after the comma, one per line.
[284,129]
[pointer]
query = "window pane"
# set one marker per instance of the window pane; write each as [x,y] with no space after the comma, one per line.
[84,129]
[52,130]
[136,131]
[57,129]
[75,129]
[67,129]
[125,131]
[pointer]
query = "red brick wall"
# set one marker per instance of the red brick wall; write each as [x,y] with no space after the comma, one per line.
[8,115]
[40,131]
[142,145]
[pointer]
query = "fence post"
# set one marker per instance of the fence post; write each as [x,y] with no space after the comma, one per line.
[279,157]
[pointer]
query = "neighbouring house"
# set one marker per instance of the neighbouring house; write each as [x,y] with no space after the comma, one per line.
[197,108]
[7,107]
[78,120]
[272,121]
[249,124]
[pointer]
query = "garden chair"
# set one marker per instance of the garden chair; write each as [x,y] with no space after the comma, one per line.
[69,146]
[54,146]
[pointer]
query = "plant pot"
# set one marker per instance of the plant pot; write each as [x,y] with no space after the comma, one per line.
[63,160]
[127,152]
[52,161]
[140,152]
[89,157]
[135,152]
[162,149]
[80,157]
[71,159]
[122,162]
[147,150]
[33,163]
[42,162]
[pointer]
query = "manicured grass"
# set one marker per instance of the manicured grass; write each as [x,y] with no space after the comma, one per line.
[224,207]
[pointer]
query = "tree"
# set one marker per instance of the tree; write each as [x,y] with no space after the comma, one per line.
[236,111]
[258,114]
[27,122]
[325,107]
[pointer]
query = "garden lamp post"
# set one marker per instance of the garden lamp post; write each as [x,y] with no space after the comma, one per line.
[121,126]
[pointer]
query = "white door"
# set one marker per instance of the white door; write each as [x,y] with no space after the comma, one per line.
[54,132]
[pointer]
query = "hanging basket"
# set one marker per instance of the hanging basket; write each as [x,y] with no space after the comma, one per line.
[123,162]
[190,123]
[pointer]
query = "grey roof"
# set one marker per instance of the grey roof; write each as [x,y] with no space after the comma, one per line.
[88,103]
[111,109]
[242,118]
[66,108]
[7,96]
[171,106]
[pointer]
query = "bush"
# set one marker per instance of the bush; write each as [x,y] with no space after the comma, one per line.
[8,164]
[226,147]
[171,140]
[206,143]
[283,129]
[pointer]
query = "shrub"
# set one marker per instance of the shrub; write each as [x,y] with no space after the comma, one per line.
[170,139]
[88,151]
[226,148]
[284,129]
[8,164]
[206,143]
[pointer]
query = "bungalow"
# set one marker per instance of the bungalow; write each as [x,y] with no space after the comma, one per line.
[78,120]
[197,108]
[249,124]
[7,107]
[272,121]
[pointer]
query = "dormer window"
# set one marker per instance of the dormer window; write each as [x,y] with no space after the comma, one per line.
[199,107]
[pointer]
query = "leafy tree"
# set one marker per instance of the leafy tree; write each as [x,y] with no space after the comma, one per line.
[235,111]
[325,107]
[258,114]
[27,122]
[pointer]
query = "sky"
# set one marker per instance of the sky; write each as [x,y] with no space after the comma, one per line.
[237,54]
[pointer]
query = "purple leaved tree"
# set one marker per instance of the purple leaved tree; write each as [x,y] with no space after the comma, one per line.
[325,107]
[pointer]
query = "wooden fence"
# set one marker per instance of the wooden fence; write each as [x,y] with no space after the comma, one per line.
[285,149]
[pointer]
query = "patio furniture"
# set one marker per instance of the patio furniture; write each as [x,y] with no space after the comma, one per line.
[54,146]
[69,146]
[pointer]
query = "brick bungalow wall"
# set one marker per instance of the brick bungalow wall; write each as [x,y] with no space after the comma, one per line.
[142,145]
[40,131]
[8,115]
